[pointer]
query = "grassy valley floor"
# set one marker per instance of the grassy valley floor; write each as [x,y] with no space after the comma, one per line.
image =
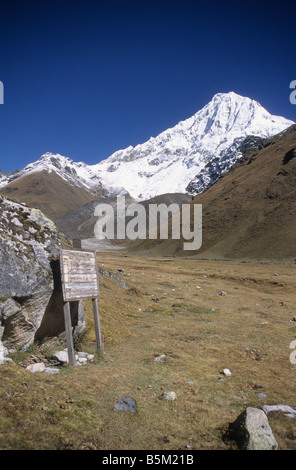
[173,307]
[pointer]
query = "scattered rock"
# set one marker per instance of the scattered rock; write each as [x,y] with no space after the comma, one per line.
[61,356]
[51,370]
[82,354]
[83,357]
[126,404]
[4,351]
[37,367]
[254,354]
[227,372]
[261,395]
[286,409]
[161,358]
[6,360]
[34,359]
[39,363]
[105,273]
[252,431]
[82,360]
[169,396]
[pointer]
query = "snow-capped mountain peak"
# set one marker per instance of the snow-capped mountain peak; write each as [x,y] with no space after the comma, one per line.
[169,162]
[186,157]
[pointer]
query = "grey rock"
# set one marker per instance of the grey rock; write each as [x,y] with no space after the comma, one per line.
[51,370]
[84,357]
[31,303]
[7,360]
[82,354]
[61,356]
[161,358]
[126,404]
[37,367]
[286,409]
[252,431]
[261,395]
[169,395]
[3,351]
[105,273]
[82,360]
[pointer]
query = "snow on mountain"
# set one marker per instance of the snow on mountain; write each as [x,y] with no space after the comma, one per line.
[187,157]
[170,161]
[76,173]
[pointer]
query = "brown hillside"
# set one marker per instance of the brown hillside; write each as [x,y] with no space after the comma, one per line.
[250,213]
[48,192]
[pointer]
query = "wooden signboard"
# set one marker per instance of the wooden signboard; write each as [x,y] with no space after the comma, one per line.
[79,281]
[79,274]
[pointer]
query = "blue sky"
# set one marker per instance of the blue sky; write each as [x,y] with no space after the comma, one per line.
[87,78]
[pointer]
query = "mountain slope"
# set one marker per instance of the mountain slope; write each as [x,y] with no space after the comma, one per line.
[249,213]
[48,192]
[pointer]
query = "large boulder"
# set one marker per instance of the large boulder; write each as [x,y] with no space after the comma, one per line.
[251,431]
[31,303]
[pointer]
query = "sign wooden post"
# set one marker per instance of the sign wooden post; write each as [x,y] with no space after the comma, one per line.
[79,281]
[68,328]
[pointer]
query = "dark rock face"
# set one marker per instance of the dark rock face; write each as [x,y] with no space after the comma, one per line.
[224,162]
[30,291]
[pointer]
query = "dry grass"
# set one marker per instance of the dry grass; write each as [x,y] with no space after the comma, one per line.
[201,332]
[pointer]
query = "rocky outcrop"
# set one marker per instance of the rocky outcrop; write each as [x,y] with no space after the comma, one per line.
[31,304]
